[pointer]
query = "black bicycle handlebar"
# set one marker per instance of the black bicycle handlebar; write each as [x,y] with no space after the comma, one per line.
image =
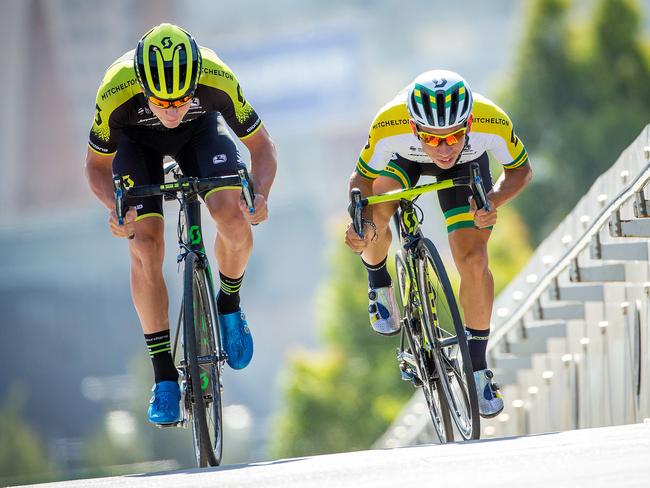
[185,185]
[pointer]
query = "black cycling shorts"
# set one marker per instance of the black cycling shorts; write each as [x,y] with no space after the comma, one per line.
[202,147]
[453,201]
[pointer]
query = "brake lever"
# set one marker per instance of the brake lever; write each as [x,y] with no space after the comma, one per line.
[120,199]
[478,190]
[355,211]
[247,189]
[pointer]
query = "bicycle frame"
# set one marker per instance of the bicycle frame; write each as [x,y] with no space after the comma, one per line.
[190,240]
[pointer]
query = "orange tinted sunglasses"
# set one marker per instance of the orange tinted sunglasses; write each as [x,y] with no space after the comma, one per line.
[435,140]
[171,103]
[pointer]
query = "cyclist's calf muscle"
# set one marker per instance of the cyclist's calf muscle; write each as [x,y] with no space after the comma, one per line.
[147,282]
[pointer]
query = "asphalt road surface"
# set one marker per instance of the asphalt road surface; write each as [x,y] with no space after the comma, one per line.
[605,457]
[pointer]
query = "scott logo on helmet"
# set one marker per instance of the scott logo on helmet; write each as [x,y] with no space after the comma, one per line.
[166,42]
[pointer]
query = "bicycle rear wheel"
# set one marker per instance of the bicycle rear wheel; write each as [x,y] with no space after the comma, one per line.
[448,341]
[202,347]
[431,387]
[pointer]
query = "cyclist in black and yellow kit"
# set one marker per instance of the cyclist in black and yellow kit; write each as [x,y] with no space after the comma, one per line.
[171,97]
[435,126]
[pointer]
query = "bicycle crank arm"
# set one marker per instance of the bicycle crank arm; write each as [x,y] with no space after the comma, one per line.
[208,359]
[449,341]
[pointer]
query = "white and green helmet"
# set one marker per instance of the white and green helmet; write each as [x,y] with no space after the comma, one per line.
[439,99]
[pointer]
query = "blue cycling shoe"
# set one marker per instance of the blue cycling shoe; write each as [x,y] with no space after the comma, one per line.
[237,339]
[164,405]
[490,401]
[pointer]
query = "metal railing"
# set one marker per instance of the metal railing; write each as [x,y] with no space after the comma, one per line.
[571,340]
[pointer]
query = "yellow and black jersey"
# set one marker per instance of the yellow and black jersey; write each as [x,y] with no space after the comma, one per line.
[391,137]
[120,102]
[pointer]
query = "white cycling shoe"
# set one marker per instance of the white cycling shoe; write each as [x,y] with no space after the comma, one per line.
[490,401]
[384,316]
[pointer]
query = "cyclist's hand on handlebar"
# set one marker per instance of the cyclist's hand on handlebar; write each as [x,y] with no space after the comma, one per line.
[126,230]
[261,210]
[482,218]
[356,243]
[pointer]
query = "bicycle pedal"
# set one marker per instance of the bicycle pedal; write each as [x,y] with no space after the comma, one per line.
[407,375]
[410,376]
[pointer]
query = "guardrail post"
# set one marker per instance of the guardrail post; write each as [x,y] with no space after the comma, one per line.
[595,249]
[574,270]
[640,204]
[615,229]
[603,325]
[554,290]
[538,312]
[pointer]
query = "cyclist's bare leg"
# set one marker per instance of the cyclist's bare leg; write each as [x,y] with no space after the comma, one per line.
[148,288]
[469,249]
[232,247]
[234,242]
[377,250]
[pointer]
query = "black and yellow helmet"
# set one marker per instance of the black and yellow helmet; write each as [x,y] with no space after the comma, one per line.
[167,63]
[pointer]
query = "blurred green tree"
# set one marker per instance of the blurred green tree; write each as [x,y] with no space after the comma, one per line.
[578,97]
[23,457]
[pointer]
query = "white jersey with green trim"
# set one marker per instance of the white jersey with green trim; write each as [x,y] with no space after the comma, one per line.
[391,136]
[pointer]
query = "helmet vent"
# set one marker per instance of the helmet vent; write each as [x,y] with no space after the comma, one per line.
[466,102]
[453,107]
[440,108]
[414,105]
[182,72]
[426,104]
[153,63]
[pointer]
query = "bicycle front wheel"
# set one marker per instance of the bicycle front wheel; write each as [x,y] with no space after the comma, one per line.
[447,339]
[202,347]
[432,389]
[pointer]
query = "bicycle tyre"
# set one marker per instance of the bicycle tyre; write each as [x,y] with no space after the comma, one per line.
[199,341]
[210,335]
[452,361]
[432,388]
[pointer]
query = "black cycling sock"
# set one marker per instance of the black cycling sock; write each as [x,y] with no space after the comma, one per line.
[378,276]
[160,351]
[228,299]
[477,343]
